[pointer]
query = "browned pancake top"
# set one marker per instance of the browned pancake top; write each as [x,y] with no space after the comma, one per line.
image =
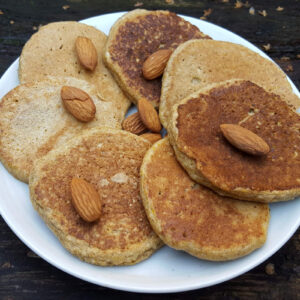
[138,39]
[189,212]
[111,162]
[250,106]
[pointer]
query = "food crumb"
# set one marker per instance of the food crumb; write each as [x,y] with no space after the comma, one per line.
[285,58]
[225,1]
[34,28]
[267,47]
[138,4]
[270,269]
[247,4]
[279,8]
[1,12]
[32,254]
[238,4]
[12,22]
[298,55]
[169,1]
[6,265]
[207,12]
[65,7]
[289,68]
[263,13]
[252,11]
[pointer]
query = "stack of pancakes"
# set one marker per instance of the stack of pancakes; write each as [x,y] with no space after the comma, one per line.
[193,190]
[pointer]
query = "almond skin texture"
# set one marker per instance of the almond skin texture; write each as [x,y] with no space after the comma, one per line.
[85,199]
[86,53]
[155,64]
[244,139]
[152,137]
[149,115]
[78,103]
[134,124]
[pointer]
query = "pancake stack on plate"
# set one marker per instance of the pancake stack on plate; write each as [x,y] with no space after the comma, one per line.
[111,198]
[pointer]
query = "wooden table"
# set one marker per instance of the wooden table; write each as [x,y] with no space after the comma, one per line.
[23,275]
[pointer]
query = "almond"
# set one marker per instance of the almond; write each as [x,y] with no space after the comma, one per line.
[155,64]
[78,103]
[152,137]
[244,139]
[86,53]
[134,124]
[149,115]
[85,199]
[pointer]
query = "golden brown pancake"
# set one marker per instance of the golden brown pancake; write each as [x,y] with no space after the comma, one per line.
[198,63]
[110,160]
[211,160]
[137,35]
[33,121]
[51,51]
[187,216]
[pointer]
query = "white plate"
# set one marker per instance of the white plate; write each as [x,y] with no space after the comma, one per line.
[167,270]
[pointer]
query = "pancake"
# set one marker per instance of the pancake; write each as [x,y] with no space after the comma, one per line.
[134,37]
[33,121]
[51,51]
[198,63]
[209,159]
[110,160]
[187,216]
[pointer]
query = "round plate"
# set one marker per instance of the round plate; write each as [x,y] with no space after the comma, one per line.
[165,271]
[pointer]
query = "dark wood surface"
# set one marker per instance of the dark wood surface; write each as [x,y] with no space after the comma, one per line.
[23,275]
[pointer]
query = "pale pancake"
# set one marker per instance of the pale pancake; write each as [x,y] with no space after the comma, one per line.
[110,160]
[33,121]
[51,51]
[190,217]
[198,63]
[133,38]
[211,160]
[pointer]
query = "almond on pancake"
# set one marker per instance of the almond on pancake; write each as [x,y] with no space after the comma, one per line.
[198,63]
[33,121]
[137,35]
[211,160]
[110,160]
[52,51]
[190,217]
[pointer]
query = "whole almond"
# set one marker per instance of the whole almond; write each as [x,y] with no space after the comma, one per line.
[86,53]
[134,124]
[149,115]
[78,103]
[244,139]
[155,64]
[85,199]
[152,137]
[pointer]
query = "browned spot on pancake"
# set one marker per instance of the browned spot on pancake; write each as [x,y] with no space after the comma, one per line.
[138,39]
[112,167]
[192,213]
[250,106]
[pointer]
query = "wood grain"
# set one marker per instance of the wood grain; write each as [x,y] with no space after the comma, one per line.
[23,275]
